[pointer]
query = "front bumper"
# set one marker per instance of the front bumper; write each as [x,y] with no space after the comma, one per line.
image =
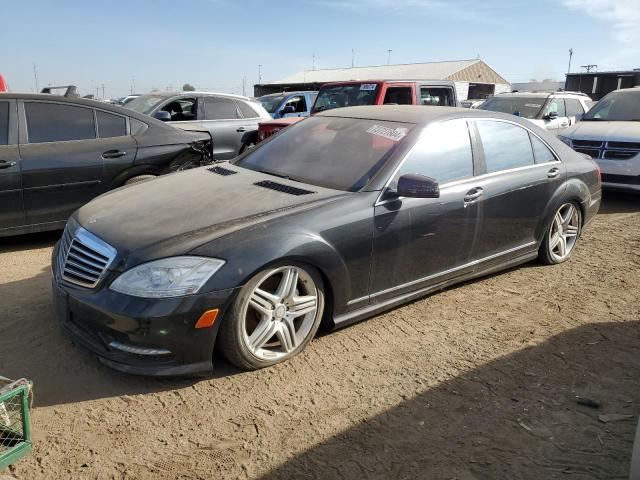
[623,175]
[101,319]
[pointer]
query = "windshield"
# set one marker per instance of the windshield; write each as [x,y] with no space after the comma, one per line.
[270,103]
[339,153]
[527,107]
[144,104]
[616,107]
[345,96]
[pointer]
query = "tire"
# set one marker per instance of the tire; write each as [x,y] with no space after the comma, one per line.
[265,326]
[561,235]
[139,178]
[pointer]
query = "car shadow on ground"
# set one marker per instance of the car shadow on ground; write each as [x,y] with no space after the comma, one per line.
[516,417]
[29,241]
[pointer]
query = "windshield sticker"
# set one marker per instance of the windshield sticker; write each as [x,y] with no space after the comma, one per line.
[532,105]
[368,86]
[395,134]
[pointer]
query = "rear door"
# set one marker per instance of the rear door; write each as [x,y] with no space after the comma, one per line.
[521,176]
[11,206]
[227,126]
[62,163]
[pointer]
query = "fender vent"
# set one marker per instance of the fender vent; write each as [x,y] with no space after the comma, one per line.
[225,172]
[282,188]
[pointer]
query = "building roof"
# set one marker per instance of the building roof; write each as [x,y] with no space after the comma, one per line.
[634,71]
[446,70]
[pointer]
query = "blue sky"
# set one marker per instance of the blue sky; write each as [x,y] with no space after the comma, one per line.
[213,44]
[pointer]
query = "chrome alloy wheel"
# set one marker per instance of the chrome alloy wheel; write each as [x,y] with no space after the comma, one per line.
[280,312]
[563,233]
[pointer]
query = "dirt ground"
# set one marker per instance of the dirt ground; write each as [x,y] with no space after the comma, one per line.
[477,382]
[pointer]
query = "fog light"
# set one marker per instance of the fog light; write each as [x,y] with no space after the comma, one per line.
[139,350]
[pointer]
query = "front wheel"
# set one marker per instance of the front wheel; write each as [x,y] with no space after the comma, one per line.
[274,316]
[562,235]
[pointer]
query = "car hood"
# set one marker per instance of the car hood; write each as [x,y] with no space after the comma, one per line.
[610,131]
[174,214]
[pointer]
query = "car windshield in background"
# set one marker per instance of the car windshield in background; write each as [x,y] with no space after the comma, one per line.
[616,107]
[346,96]
[338,153]
[271,103]
[144,104]
[526,107]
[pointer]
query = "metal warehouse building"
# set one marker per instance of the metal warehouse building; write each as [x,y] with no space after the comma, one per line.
[473,78]
[598,84]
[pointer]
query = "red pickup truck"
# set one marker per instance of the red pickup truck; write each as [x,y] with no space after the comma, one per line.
[369,92]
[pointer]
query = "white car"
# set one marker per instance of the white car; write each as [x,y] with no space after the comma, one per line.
[610,134]
[551,111]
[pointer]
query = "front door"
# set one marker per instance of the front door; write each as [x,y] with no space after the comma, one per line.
[62,166]
[419,242]
[11,207]
[555,115]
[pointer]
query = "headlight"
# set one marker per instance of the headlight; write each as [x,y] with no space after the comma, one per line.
[169,277]
[565,140]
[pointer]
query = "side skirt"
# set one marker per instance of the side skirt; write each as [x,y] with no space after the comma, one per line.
[371,310]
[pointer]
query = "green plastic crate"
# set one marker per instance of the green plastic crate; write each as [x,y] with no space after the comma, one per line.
[15,430]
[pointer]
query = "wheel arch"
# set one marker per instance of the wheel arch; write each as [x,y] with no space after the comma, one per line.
[572,190]
[134,171]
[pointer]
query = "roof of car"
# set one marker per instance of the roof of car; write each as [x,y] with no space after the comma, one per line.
[541,94]
[281,94]
[59,98]
[174,94]
[417,114]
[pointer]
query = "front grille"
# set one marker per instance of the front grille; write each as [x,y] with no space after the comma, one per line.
[83,258]
[283,188]
[607,150]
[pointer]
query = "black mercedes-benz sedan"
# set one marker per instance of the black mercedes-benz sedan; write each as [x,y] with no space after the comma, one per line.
[57,153]
[339,217]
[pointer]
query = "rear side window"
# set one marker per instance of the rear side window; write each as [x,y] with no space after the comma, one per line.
[541,152]
[435,96]
[247,111]
[443,153]
[4,123]
[398,96]
[218,108]
[573,107]
[505,145]
[136,126]
[110,125]
[53,122]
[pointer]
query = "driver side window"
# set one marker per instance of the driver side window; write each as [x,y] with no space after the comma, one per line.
[442,153]
[182,110]
[298,104]
[556,105]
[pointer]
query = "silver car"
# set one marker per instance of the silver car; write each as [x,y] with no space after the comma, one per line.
[610,134]
[551,111]
[228,118]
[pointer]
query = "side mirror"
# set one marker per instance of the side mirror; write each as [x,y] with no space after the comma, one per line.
[287,109]
[551,115]
[413,185]
[162,115]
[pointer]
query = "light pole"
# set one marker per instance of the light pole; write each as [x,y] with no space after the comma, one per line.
[389,56]
[259,74]
[570,55]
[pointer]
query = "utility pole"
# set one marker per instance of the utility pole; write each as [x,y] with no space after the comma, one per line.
[35,75]
[133,85]
[352,55]
[260,74]
[389,56]
[103,91]
[589,67]
[570,55]
[244,86]
[313,61]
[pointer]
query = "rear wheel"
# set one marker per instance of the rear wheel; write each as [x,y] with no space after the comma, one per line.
[274,317]
[562,235]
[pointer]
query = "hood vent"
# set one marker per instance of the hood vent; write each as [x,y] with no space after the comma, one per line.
[282,188]
[225,172]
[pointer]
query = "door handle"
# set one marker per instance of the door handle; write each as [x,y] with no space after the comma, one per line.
[4,164]
[473,194]
[564,124]
[553,173]
[113,154]
[241,129]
